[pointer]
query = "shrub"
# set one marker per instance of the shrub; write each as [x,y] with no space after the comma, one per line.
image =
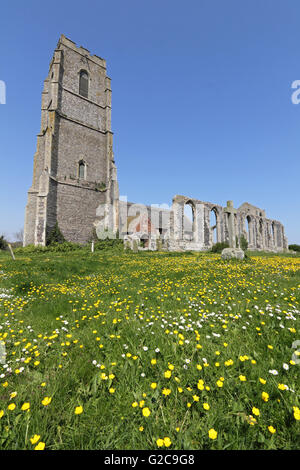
[219,247]
[243,242]
[55,236]
[294,247]
[3,243]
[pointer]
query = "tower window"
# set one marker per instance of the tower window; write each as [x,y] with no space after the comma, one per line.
[81,170]
[84,83]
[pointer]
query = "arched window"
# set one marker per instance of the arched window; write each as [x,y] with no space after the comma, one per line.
[84,83]
[213,225]
[81,170]
[188,221]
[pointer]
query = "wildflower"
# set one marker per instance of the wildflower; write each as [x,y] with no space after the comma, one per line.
[206,406]
[160,442]
[265,396]
[146,412]
[255,411]
[153,385]
[262,381]
[25,406]
[1,413]
[134,404]
[220,383]
[212,434]
[167,374]
[78,410]
[271,429]
[40,446]
[282,387]
[34,439]
[46,401]
[141,428]
[242,378]
[112,390]
[252,421]
[167,441]
[296,413]
[11,407]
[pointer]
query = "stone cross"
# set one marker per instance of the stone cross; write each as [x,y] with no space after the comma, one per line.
[229,209]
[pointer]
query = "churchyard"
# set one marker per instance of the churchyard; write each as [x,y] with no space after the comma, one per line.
[149,350]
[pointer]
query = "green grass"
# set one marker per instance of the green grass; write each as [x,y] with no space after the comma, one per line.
[88,325]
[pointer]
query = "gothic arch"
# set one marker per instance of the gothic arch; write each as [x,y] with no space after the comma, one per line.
[84,83]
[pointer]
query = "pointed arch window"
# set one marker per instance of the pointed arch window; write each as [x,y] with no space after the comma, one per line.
[84,83]
[81,170]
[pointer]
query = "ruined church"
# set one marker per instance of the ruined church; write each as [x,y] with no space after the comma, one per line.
[75,184]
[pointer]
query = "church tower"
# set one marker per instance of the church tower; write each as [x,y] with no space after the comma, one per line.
[74,175]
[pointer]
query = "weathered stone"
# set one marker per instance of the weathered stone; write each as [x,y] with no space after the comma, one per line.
[74,169]
[232,253]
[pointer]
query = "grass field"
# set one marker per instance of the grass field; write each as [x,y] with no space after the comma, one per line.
[117,350]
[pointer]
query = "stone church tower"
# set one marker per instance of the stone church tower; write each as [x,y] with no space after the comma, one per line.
[74,175]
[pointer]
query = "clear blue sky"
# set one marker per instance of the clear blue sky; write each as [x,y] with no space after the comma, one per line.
[201,101]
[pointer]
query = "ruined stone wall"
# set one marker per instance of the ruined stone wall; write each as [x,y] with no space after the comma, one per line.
[261,233]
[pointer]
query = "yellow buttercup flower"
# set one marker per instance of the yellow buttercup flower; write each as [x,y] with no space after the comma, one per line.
[25,406]
[146,412]
[167,441]
[46,401]
[34,439]
[212,434]
[78,410]
[40,446]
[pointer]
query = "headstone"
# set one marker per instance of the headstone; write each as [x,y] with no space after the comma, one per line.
[135,246]
[11,251]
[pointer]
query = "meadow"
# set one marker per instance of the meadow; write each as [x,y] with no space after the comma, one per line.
[117,350]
